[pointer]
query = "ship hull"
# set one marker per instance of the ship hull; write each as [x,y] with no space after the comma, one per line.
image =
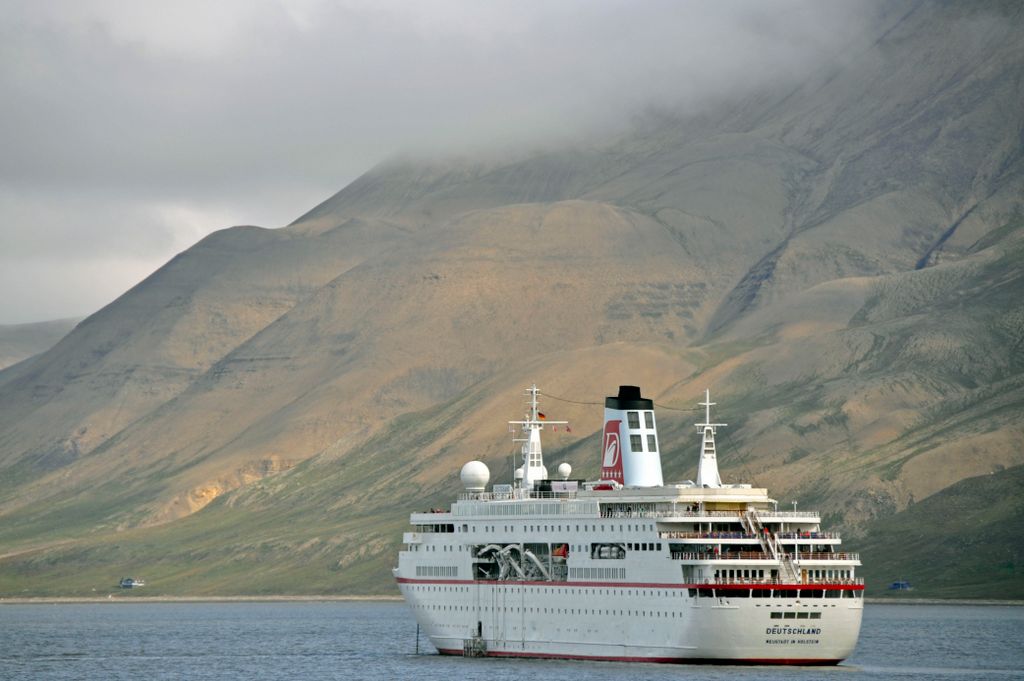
[633,623]
[795,662]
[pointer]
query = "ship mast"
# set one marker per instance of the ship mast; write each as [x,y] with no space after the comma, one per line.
[533,457]
[707,467]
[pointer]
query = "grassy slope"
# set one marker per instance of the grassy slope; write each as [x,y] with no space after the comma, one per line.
[324,527]
[964,542]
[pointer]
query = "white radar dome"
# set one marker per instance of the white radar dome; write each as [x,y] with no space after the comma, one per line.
[475,476]
[564,470]
[518,473]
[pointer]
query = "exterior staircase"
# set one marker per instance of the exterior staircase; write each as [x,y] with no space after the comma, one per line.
[770,546]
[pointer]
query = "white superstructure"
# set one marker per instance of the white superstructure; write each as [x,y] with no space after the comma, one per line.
[627,568]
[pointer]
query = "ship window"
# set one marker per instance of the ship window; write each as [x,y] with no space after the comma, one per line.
[633,419]
[803,615]
[815,615]
[636,443]
[652,445]
[789,616]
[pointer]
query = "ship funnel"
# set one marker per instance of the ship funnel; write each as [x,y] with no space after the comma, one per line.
[630,446]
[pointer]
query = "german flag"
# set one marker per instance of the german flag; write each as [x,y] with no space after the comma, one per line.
[540,416]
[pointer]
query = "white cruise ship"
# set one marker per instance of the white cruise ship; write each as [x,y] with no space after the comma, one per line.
[626,567]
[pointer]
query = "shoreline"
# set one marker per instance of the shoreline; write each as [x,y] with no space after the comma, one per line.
[118,598]
[940,601]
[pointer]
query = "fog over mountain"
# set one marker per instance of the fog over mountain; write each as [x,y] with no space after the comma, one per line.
[130,130]
[836,251]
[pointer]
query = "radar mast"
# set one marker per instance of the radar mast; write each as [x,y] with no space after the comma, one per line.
[531,425]
[707,467]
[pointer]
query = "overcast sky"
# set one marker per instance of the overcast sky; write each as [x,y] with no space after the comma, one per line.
[130,129]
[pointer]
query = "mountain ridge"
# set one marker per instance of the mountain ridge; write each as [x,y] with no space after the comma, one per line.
[21,341]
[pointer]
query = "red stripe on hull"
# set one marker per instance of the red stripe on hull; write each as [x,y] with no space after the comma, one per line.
[796,662]
[641,585]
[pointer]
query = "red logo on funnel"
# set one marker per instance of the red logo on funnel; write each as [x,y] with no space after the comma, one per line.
[611,465]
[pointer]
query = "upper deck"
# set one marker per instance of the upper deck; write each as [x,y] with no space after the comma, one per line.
[542,529]
[679,500]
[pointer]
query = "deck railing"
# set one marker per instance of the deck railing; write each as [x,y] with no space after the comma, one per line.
[731,555]
[706,535]
[758,555]
[753,581]
[768,515]
[826,556]
[608,513]
[645,513]
[684,510]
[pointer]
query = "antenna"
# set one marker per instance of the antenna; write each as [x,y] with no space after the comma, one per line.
[707,404]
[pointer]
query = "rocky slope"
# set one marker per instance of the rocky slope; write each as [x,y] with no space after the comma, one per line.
[840,263]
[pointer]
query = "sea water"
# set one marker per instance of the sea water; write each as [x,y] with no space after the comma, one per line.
[377,640]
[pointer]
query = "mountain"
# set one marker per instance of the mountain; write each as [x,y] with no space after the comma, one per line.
[841,263]
[21,341]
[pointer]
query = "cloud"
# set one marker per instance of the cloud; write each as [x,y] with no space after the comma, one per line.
[67,257]
[251,111]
